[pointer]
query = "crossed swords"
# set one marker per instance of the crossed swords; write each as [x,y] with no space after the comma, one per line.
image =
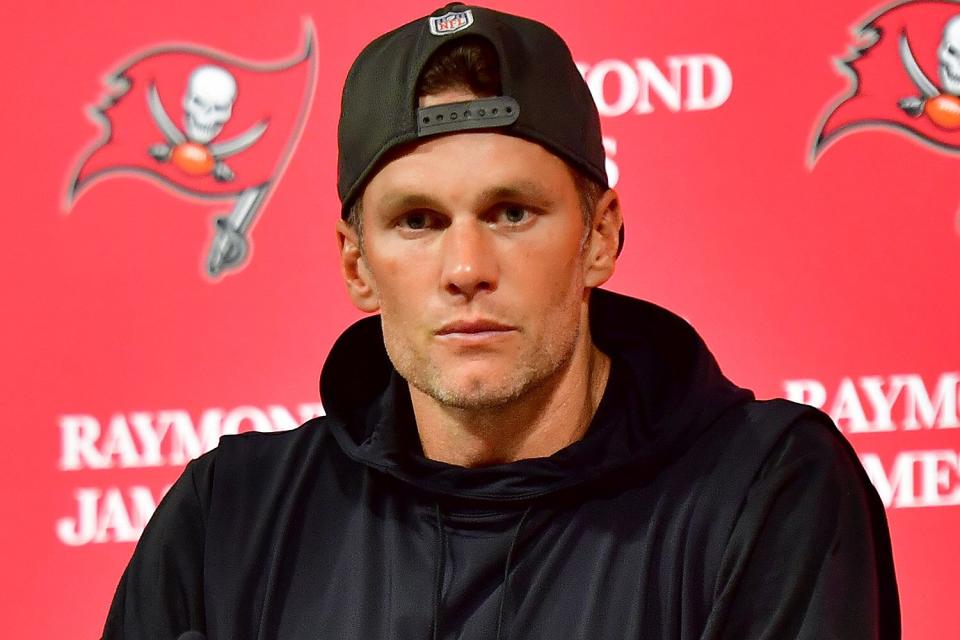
[230,245]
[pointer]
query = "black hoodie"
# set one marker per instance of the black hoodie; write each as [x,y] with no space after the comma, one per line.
[688,511]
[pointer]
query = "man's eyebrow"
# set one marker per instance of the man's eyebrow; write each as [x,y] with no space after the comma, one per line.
[525,190]
[522,190]
[406,200]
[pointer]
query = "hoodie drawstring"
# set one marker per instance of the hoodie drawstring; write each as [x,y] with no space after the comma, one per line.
[441,558]
[506,572]
[438,581]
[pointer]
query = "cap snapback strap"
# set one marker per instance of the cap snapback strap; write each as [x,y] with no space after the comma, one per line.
[499,111]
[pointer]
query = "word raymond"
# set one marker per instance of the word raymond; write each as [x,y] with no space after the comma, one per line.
[171,437]
[691,82]
[872,404]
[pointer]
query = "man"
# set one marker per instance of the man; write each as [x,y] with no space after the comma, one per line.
[509,452]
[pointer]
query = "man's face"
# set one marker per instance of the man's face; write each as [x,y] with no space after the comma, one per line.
[474,255]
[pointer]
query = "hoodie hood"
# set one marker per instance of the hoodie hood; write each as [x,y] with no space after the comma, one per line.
[665,389]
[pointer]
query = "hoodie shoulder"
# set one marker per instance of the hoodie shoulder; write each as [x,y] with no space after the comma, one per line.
[272,443]
[160,594]
[252,462]
[785,432]
[769,437]
[810,513]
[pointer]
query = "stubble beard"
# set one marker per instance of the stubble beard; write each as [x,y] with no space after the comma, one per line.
[535,367]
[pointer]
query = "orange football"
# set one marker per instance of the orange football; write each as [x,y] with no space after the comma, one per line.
[944,111]
[192,158]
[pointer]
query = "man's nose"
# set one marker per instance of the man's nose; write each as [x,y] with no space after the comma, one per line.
[469,259]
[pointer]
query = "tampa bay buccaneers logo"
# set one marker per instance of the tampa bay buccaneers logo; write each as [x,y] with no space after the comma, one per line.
[208,126]
[905,75]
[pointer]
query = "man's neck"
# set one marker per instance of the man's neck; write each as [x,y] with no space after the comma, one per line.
[544,420]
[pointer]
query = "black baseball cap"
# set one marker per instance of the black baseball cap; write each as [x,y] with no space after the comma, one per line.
[544,97]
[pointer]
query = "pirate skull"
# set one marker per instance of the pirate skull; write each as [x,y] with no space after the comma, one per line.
[949,56]
[211,92]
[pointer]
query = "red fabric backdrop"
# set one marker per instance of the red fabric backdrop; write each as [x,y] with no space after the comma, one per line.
[824,273]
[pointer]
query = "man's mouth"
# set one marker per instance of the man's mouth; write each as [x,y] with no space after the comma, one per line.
[474,330]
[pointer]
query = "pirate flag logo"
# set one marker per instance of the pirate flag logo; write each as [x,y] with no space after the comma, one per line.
[905,77]
[206,125]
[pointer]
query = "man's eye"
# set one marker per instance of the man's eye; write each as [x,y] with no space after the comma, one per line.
[416,220]
[514,214]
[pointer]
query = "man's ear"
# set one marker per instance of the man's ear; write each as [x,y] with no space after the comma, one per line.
[353,268]
[604,240]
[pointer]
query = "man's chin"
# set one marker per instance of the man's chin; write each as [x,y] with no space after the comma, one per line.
[475,395]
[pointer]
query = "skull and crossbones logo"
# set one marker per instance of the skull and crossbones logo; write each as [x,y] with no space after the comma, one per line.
[940,105]
[208,105]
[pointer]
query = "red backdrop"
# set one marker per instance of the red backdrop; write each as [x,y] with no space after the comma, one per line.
[824,273]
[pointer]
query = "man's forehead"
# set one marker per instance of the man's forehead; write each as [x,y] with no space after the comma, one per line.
[478,165]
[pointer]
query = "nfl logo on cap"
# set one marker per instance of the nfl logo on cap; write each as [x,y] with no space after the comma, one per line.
[451,22]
